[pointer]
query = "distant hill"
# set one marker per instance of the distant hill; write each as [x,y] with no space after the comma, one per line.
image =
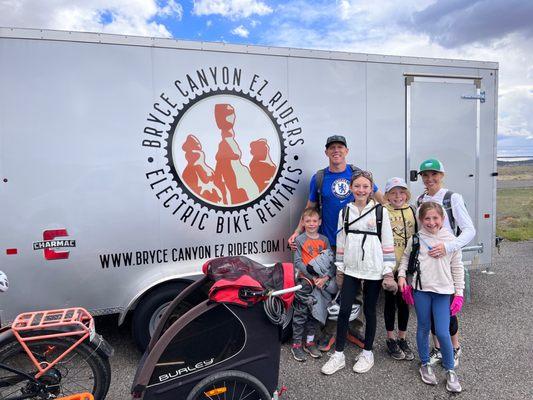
[518,161]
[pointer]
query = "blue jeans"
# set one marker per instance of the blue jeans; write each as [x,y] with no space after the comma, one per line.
[426,304]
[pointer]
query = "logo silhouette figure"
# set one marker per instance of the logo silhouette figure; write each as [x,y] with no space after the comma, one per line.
[232,177]
[262,167]
[198,176]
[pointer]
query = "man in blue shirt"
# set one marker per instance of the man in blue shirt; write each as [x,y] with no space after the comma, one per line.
[334,192]
[331,197]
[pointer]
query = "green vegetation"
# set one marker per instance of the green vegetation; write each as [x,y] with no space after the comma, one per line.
[515,172]
[515,214]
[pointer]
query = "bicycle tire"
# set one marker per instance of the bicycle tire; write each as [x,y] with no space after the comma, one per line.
[82,370]
[234,385]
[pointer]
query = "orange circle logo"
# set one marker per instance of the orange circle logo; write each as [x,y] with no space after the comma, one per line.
[225,149]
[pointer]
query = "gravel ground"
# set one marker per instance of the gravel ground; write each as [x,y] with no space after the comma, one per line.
[495,326]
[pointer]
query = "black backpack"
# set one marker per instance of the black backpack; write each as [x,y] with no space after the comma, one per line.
[414,265]
[319,180]
[378,208]
[447,205]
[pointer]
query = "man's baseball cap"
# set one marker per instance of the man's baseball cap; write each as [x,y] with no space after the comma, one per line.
[431,164]
[395,182]
[336,139]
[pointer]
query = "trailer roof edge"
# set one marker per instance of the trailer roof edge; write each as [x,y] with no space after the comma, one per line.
[131,40]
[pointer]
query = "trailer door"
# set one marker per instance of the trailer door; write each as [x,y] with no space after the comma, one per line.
[442,121]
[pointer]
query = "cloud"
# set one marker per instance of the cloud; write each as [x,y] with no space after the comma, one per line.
[380,27]
[127,17]
[241,31]
[171,9]
[453,23]
[516,117]
[233,9]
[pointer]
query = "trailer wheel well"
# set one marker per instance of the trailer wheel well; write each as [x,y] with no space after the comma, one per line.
[149,308]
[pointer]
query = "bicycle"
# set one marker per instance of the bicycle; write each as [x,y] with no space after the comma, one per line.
[48,354]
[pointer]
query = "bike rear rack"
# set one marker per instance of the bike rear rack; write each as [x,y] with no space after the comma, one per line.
[42,325]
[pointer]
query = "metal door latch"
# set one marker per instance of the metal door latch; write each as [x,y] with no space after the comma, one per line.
[480,96]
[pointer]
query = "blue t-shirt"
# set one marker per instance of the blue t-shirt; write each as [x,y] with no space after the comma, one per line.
[335,195]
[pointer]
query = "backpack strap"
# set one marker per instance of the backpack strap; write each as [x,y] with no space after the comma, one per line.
[345,214]
[413,264]
[319,180]
[354,168]
[347,224]
[414,217]
[346,218]
[419,200]
[379,219]
[447,205]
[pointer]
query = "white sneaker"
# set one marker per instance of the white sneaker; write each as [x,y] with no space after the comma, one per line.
[335,363]
[364,363]
[452,382]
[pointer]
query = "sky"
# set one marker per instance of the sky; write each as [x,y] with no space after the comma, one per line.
[487,30]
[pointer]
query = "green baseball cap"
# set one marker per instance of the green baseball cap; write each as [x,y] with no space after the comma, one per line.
[431,164]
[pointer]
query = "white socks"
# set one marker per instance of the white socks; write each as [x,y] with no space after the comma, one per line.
[368,354]
[310,338]
[339,354]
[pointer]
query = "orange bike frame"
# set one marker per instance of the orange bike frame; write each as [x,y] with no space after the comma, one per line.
[81,396]
[53,324]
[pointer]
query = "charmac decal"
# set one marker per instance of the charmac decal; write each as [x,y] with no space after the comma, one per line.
[222,149]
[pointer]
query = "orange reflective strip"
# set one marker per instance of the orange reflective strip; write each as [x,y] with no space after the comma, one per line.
[217,391]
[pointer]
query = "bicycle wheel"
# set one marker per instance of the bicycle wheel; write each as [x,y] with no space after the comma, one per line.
[226,385]
[82,370]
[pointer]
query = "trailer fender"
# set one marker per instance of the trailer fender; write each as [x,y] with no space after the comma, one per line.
[134,301]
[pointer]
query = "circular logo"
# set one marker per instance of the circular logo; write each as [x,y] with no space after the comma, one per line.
[225,149]
[341,188]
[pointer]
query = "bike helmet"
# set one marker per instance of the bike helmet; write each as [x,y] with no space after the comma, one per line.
[333,311]
[4,283]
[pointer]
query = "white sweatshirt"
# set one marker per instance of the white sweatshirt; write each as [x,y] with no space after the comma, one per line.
[443,275]
[377,258]
[462,219]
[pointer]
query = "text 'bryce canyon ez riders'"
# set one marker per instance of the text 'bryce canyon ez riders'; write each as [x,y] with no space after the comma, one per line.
[222,149]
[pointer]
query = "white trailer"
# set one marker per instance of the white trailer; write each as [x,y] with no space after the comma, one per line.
[126,162]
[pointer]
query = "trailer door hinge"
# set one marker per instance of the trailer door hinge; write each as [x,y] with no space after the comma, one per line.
[480,96]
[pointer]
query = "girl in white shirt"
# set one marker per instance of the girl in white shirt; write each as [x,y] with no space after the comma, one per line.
[362,255]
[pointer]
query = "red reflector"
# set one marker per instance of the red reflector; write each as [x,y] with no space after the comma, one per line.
[486,215]
[11,251]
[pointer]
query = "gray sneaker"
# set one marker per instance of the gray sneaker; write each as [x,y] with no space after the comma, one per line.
[298,353]
[311,349]
[427,374]
[394,350]
[456,354]
[435,357]
[409,355]
[452,382]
